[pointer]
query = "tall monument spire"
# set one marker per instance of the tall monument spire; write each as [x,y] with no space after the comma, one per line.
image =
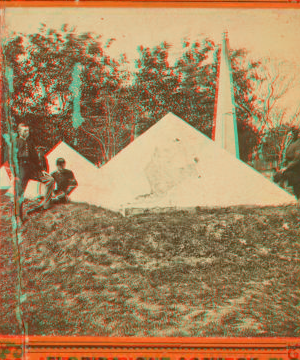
[225,125]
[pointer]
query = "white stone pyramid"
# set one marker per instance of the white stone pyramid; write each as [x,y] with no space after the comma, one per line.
[5,182]
[174,165]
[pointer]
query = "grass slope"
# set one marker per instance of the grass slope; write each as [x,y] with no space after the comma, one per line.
[88,271]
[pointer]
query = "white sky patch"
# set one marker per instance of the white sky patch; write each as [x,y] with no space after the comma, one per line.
[264,32]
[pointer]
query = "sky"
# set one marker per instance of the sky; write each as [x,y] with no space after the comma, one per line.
[264,32]
[273,33]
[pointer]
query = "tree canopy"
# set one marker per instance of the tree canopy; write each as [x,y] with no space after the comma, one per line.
[116,105]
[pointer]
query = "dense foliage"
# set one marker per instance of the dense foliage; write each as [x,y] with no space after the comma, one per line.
[117,105]
[274,143]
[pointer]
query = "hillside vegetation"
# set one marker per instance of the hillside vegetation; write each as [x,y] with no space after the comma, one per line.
[89,271]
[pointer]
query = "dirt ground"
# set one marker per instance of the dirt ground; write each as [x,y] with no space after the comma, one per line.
[89,271]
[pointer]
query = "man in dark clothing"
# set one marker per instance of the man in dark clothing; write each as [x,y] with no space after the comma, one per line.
[30,166]
[65,181]
[292,170]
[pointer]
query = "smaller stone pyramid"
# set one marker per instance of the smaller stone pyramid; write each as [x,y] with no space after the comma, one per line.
[5,182]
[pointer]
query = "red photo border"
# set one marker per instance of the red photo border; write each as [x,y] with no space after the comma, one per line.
[105,348]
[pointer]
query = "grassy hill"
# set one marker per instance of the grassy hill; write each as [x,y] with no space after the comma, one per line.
[89,271]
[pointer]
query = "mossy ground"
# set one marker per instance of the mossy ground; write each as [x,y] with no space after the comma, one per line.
[89,271]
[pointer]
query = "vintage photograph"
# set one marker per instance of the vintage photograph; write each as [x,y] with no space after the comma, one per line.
[150,172]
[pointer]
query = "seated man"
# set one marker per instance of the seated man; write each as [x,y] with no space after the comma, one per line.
[26,164]
[65,182]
